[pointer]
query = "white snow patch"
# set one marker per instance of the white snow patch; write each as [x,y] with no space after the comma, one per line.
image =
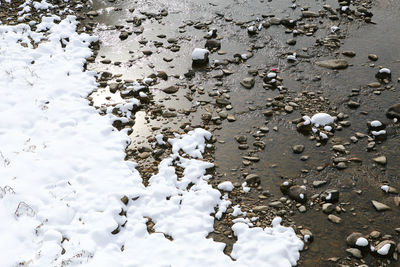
[226,186]
[322,119]
[385,188]
[384,250]
[200,54]
[376,123]
[361,242]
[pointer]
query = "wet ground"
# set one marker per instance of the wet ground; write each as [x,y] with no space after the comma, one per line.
[149,49]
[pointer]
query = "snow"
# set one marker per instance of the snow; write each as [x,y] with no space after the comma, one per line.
[64,173]
[270,243]
[334,29]
[226,186]
[322,119]
[159,139]
[361,242]
[385,70]
[245,188]
[376,123]
[384,250]
[376,133]
[200,54]
[237,211]
[385,188]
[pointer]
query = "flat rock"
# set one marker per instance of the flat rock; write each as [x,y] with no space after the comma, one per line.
[335,64]
[380,206]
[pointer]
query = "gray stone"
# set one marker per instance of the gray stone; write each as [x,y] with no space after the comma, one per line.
[297,193]
[171,89]
[252,179]
[248,82]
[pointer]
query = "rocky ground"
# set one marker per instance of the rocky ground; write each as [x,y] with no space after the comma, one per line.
[271,66]
[263,74]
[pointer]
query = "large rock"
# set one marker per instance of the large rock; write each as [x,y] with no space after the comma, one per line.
[335,64]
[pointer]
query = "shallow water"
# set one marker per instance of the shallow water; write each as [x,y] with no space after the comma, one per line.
[277,160]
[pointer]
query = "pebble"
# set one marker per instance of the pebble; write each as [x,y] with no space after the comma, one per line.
[298,149]
[380,160]
[373,57]
[327,208]
[334,219]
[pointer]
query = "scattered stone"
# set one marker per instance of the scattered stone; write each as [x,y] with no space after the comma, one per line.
[339,148]
[380,160]
[394,111]
[308,237]
[318,183]
[330,196]
[327,208]
[200,56]
[349,53]
[353,104]
[298,149]
[297,193]
[385,248]
[380,206]
[252,179]
[373,57]
[334,219]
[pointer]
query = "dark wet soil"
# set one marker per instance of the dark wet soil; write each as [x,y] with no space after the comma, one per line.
[147,51]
